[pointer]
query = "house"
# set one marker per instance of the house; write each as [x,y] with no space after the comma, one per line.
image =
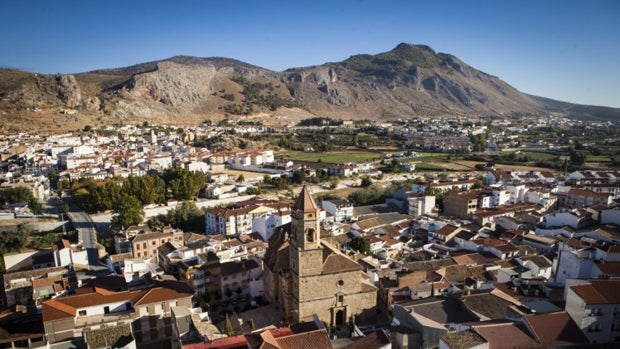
[580,198]
[421,323]
[555,329]
[420,205]
[342,170]
[239,279]
[461,204]
[594,306]
[145,311]
[234,221]
[144,245]
[267,223]
[341,210]
[577,219]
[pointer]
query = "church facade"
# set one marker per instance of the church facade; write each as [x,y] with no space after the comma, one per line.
[307,276]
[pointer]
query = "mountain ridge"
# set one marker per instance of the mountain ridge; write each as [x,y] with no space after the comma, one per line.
[409,80]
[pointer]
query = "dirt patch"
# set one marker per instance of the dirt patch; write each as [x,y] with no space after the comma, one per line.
[471,166]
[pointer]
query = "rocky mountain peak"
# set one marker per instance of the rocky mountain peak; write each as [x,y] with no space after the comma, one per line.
[409,80]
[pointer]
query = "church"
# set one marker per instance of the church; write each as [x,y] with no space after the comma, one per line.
[305,276]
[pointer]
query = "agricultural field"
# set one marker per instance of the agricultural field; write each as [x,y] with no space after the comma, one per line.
[336,157]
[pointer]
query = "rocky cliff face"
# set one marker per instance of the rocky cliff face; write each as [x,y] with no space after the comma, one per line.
[410,80]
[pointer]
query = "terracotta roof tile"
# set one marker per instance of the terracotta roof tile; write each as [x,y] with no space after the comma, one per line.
[496,333]
[555,329]
[376,339]
[304,202]
[599,291]
[463,340]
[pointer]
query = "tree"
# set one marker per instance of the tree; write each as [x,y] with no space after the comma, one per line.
[577,158]
[359,244]
[252,191]
[12,242]
[128,212]
[64,209]
[366,182]
[299,176]
[35,206]
[478,185]
[229,329]
[15,195]
[184,184]
[148,189]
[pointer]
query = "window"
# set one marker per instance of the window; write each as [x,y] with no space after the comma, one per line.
[82,313]
[310,235]
[340,282]
[340,298]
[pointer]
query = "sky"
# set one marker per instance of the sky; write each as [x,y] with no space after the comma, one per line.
[567,50]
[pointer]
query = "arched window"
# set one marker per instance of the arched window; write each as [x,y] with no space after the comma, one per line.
[310,235]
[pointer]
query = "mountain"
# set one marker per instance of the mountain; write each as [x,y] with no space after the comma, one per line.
[410,80]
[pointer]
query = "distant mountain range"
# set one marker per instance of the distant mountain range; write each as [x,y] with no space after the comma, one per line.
[410,80]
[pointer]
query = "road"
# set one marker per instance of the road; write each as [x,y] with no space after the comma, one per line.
[86,230]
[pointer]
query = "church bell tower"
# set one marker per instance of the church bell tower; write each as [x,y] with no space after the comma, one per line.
[306,256]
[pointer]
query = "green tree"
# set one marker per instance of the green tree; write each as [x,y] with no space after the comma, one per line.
[128,212]
[148,189]
[479,184]
[577,158]
[12,242]
[366,182]
[15,195]
[359,244]
[299,176]
[35,206]
[253,191]
[184,185]
[228,327]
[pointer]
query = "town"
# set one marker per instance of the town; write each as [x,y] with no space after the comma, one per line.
[417,233]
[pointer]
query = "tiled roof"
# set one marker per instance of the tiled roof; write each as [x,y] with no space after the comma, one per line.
[610,268]
[463,340]
[376,339]
[599,292]
[167,291]
[336,263]
[446,230]
[555,329]
[114,337]
[304,202]
[317,339]
[486,305]
[65,307]
[497,333]
[441,310]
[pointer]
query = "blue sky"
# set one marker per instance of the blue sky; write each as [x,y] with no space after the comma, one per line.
[562,49]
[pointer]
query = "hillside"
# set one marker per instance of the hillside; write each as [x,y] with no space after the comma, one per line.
[410,80]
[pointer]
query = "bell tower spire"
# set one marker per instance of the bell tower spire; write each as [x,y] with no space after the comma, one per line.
[305,222]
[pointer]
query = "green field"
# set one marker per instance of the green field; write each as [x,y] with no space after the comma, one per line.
[331,157]
[598,158]
[425,166]
[537,156]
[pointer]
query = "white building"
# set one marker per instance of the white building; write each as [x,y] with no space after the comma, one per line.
[266,224]
[420,205]
[341,210]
